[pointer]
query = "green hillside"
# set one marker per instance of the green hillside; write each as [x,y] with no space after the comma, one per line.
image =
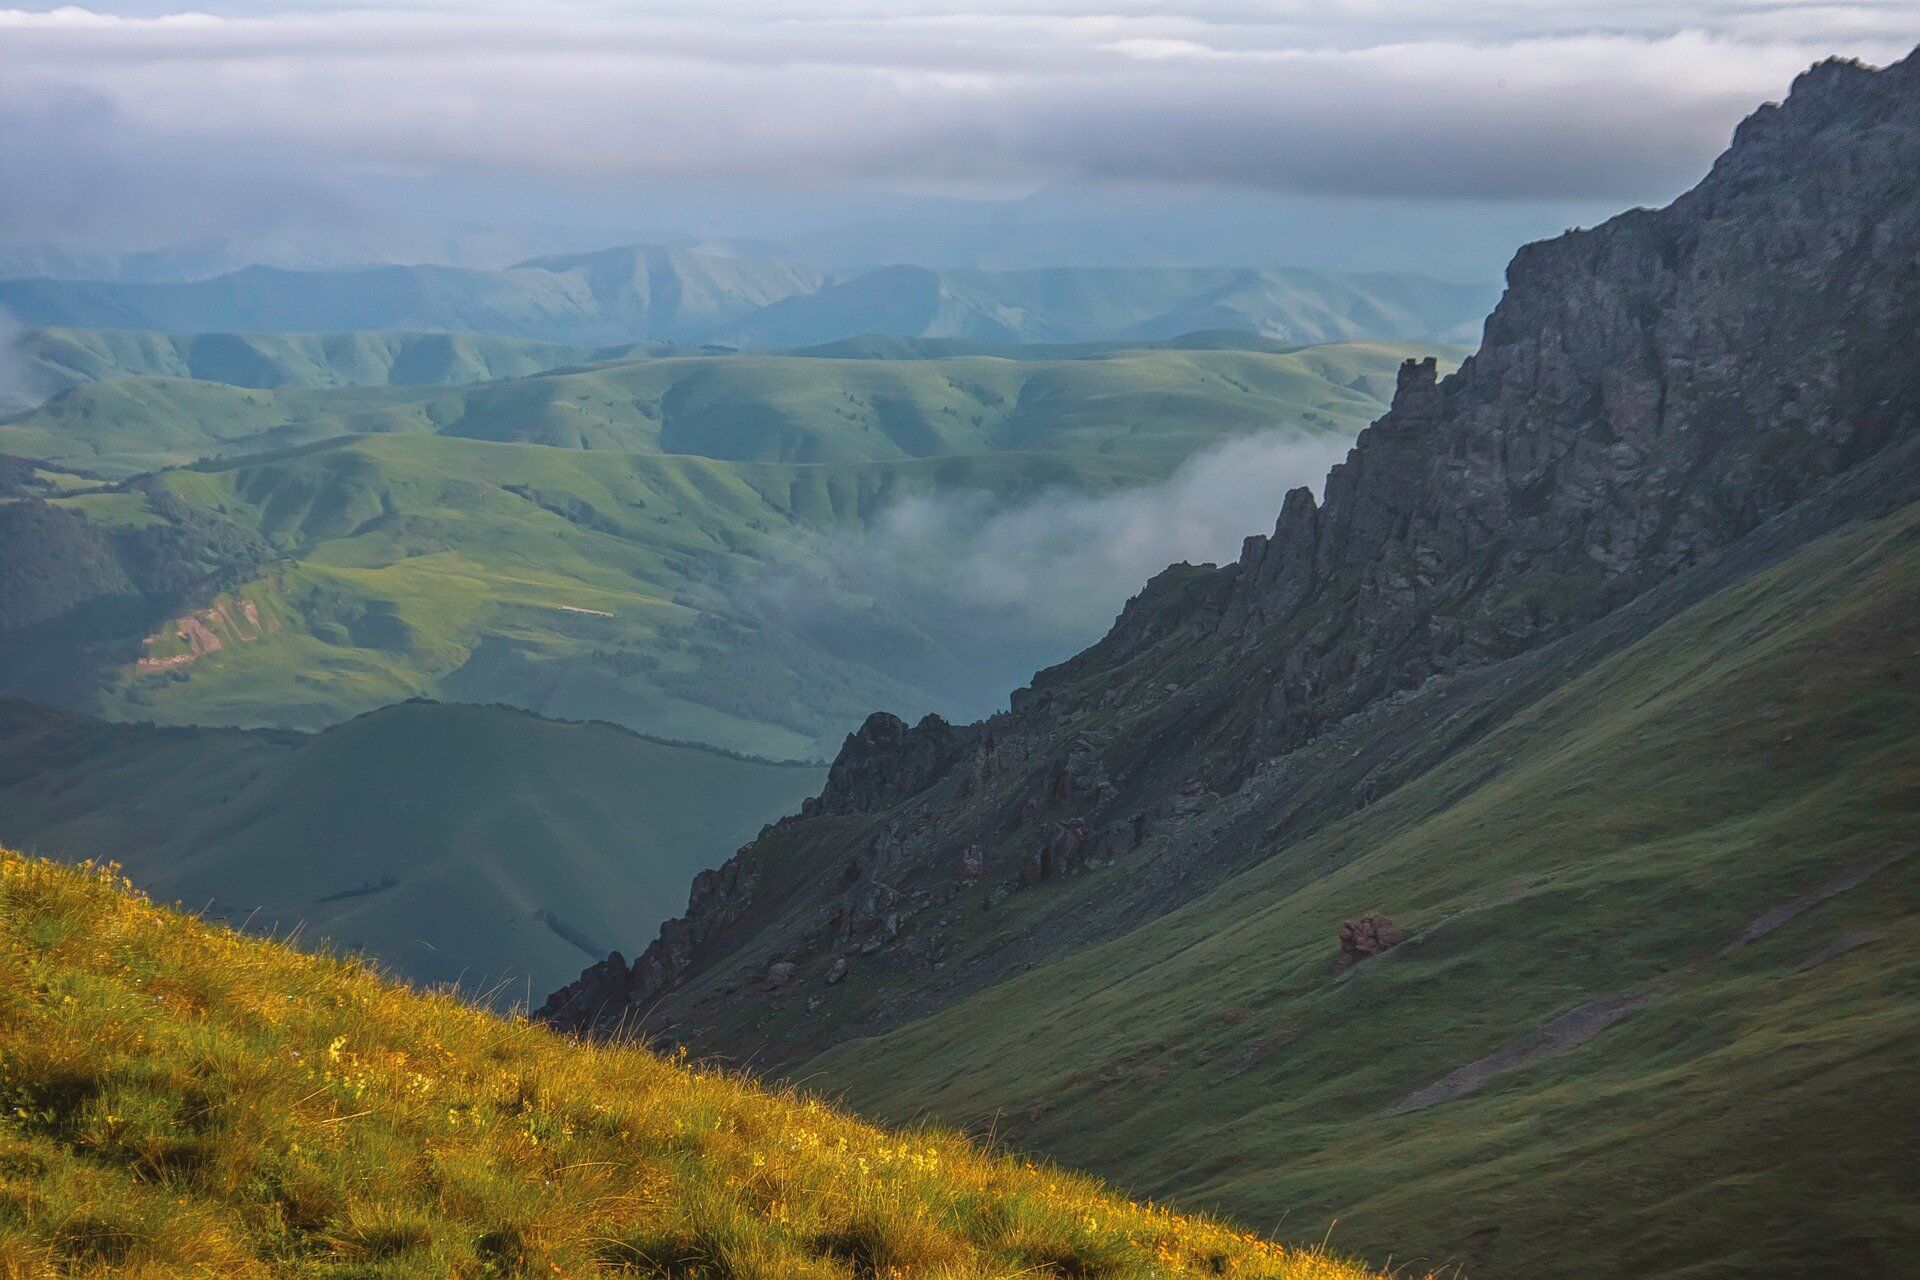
[468,844]
[1701,855]
[48,361]
[578,583]
[182,1101]
[1162,403]
[671,543]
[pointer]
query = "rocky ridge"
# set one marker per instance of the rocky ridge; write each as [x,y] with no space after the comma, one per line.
[1661,404]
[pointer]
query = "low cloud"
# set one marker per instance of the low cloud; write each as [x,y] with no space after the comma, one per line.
[971,595]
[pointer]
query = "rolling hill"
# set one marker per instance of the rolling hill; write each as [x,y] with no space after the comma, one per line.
[48,361]
[456,844]
[416,544]
[643,293]
[1160,403]
[184,1101]
[347,575]
[1511,857]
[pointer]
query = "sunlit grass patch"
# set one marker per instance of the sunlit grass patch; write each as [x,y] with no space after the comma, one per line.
[176,1099]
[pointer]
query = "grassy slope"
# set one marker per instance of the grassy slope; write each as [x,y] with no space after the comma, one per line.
[182,1101]
[419,565]
[760,408]
[1623,832]
[472,826]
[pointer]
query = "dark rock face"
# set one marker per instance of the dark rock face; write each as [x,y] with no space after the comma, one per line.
[1675,394]
[612,995]
[1648,391]
[884,762]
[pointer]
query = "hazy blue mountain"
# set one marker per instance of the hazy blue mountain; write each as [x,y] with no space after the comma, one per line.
[1082,304]
[615,295]
[644,293]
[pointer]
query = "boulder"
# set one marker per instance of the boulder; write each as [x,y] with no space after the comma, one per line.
[1365,938]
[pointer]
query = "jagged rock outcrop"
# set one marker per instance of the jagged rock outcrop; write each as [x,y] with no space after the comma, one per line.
[1648,391]
[613,994]
[1658,400]
[884,762]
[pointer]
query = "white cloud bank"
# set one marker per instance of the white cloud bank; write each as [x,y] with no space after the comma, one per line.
[1503,99]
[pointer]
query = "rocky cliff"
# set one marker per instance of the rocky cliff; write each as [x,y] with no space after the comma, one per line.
[1660,404]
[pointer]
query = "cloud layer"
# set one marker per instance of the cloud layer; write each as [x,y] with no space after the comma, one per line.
[1510,99]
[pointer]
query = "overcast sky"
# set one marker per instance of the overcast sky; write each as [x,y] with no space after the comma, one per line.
[263,105]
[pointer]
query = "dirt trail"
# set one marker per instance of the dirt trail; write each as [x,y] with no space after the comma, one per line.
[1568,1031]
[1572,1029]
[1768,921]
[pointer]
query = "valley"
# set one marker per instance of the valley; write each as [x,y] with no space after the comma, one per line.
[477,847]
[653,540]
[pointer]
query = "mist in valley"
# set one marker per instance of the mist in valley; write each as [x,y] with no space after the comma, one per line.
[968,596]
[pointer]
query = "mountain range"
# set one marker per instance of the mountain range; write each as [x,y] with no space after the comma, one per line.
[1509,858]
[648,293]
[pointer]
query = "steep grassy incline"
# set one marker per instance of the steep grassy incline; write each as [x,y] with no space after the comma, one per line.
[182,1101]
[1702,855]
[454,843]
[1160,403]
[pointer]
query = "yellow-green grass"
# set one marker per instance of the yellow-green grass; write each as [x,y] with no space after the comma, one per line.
[180,1101]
